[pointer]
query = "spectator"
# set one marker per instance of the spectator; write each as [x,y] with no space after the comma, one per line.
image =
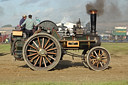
[29,25]
[21,22]
[37,20]
[6,40]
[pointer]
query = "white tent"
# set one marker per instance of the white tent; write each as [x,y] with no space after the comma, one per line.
[67,24]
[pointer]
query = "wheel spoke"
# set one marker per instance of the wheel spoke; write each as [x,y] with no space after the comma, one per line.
[35,44]
[33,58]
[102,53]
[39,42]
[32,46]
[52,49]
[36,61]
[51,53]
[40,60]
[32,51]
[94,62]
[97,64]
[42,42]
[104,57]
[104,61]
[101,64]
[92,59]
[47,43]
[49,46]
[95,53]
[99,53]
[32,54]
[93,56]
[51,57]
[47,59]
[44,62]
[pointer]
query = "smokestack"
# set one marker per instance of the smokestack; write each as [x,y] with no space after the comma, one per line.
[93,15]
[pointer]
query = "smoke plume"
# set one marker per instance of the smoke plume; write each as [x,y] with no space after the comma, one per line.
[98,5]
[108,10]
[112,12]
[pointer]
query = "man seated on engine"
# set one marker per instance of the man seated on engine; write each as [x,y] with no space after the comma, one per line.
[29,25]
[22,21]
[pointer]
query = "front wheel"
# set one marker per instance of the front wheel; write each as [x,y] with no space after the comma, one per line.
[42,52]
[98,58]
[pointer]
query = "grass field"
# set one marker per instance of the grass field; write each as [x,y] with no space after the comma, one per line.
[115,49]
[67,83]
[4,48]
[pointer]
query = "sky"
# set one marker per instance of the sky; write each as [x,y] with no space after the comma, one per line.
[11,11]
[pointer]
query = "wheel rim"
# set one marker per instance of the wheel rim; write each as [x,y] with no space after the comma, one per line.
[42,51]
[84,60]
[14,49]
[98,58]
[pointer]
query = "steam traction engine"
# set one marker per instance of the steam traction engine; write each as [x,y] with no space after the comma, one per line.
[46,47]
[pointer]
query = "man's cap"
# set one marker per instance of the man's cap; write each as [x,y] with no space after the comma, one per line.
[24,16]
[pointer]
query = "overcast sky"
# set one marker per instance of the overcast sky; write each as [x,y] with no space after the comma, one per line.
[11,11]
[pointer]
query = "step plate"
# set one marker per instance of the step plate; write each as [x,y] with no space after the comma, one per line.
[17,33]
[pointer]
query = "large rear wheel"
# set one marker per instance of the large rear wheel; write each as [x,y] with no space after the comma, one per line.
[42,52]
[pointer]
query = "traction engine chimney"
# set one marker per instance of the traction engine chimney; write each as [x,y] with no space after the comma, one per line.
[93,15]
